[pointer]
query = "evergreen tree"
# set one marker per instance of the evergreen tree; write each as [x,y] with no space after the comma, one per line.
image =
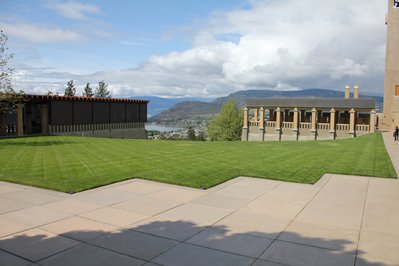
[228,124]
[88,91]
[102,90]
[191,133]
[70,90]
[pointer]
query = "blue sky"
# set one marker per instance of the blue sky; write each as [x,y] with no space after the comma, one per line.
[207,48]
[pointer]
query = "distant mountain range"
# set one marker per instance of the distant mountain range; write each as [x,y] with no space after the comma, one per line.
[166,110]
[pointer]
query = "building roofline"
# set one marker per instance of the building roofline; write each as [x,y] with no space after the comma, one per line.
[81,98]
[363,103]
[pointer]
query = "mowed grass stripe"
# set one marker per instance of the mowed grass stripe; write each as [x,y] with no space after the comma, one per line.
[72,164]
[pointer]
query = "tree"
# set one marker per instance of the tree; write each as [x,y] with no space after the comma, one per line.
[191,133]
[8,97]
[88,91]
[70,90]
[102,90]
[201,136]
[228,124]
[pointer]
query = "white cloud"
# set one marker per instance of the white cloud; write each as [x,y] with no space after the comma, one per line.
[73,10]
[40,33]
[280,44]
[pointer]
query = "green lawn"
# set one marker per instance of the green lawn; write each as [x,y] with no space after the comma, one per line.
[72,164]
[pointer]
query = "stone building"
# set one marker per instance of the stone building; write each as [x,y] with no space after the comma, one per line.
[390,118]
[308,118]
[76,116]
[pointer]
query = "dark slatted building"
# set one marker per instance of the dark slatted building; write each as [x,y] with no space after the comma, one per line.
[78,116]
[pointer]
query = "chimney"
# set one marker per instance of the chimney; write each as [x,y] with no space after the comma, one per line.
[356,92]
[347,92]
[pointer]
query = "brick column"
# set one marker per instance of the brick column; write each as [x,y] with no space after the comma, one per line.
[332,123]
[372,120]
[44,120]
[262,123]
[244,136]
[20,120]
[352,113]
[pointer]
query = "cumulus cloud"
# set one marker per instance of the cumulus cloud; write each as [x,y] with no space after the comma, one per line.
[73,10]
[278,44]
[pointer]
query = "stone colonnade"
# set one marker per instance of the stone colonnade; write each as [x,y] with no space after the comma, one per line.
[306,124]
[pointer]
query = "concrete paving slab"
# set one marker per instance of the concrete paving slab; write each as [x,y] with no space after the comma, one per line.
[79,228]
[323,215]
[254,224]
[266,263]
[180,194]
[377,248]
[72,206]
[141,187]
[172,228]
[35,216]
[241,244]
[222,202]
[9,205]
[136,244]
[32,196]
[87,255]
[186,254]
[8,259]
[114,216]
[317,235]
[252,182]
[197,214]
[148,205]
[36,244]
[106,197]
[301,255]
[9,227]
[242,192]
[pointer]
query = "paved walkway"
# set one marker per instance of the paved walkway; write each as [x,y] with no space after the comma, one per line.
[341,220]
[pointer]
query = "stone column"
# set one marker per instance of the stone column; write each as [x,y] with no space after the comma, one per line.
[373,115]
[352,113]
[244,136]
[295,130]
[44,120]
[20,120]
[255,118]
[332,123]
[262,123]
[278,123]
[313,131]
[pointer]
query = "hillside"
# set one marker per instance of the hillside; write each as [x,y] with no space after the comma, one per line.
[198,110]
[189,110]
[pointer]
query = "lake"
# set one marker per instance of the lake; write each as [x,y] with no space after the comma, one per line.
[162,128]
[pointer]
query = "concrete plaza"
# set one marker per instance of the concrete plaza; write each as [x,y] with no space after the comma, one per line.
[341,220]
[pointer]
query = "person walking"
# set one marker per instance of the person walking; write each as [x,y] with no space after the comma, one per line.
[396,133]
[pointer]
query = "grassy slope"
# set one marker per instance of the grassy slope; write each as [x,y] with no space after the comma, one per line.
[73,164]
